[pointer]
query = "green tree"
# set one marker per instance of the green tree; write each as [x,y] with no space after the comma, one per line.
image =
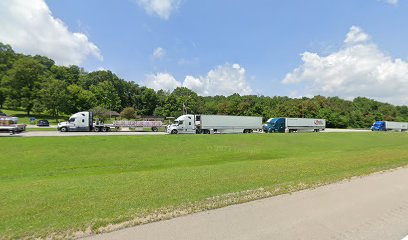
[128,113]
[54,97]
[2,96]
[106,95]
[69,74]
[7,58]
[100,113]
[46,62]
[22,83]
[185,98]
[149,101]
[80,99]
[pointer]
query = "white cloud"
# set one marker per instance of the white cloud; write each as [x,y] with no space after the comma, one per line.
[356,35]
[29,27]
[161,8]
[360,68]
[159,53]
[226,79]
[163,81]
[392,2]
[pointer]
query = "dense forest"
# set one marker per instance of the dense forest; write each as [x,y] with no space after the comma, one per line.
[36,84]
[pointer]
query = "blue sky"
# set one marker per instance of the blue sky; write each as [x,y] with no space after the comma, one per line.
[294,48]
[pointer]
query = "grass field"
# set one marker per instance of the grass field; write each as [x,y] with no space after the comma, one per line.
[41,129]
[53,185]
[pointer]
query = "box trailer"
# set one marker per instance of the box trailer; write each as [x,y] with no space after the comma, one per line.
[283,125]
[206,124]
[390,126]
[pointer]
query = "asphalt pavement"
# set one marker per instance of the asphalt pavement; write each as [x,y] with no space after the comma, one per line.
[371,207]
[34,133]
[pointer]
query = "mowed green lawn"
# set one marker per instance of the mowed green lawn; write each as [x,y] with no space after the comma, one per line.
[55,184]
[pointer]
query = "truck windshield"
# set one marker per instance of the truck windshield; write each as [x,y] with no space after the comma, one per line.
[378,124]
[272,121]
[71,120]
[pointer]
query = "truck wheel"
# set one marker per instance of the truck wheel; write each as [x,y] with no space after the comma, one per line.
[64,129]
[174,131]
[250,131]
[105,129]
[198,131]
[97,129]
[154,129]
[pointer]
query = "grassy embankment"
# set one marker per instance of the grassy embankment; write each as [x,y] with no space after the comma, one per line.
[50,185]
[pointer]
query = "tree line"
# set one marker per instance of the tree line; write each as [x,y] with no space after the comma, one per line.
[37,84]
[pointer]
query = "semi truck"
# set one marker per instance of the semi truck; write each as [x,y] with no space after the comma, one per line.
[390,126]
[10,125]
[84,122]
[206,124]
[288,125]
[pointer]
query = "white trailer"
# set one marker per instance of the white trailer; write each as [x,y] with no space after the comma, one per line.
[206,124]
[294,125]
[396,126]
[302,124]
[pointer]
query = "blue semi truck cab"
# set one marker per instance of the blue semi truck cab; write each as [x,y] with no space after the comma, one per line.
[274,125]
[378,126]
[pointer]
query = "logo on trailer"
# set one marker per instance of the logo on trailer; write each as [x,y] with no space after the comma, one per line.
[318,122]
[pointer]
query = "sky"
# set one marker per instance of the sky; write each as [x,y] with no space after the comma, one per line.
[294,48]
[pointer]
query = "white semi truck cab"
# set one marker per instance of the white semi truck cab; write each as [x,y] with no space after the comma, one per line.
[82,122]
[184,124]
[206,124]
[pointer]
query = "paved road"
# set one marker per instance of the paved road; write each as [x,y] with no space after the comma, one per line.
[68,134]
[373,207]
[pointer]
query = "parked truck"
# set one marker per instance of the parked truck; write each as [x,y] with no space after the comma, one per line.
[10,125]
[390,126]
[206,124]
[284,125]
[85,122]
